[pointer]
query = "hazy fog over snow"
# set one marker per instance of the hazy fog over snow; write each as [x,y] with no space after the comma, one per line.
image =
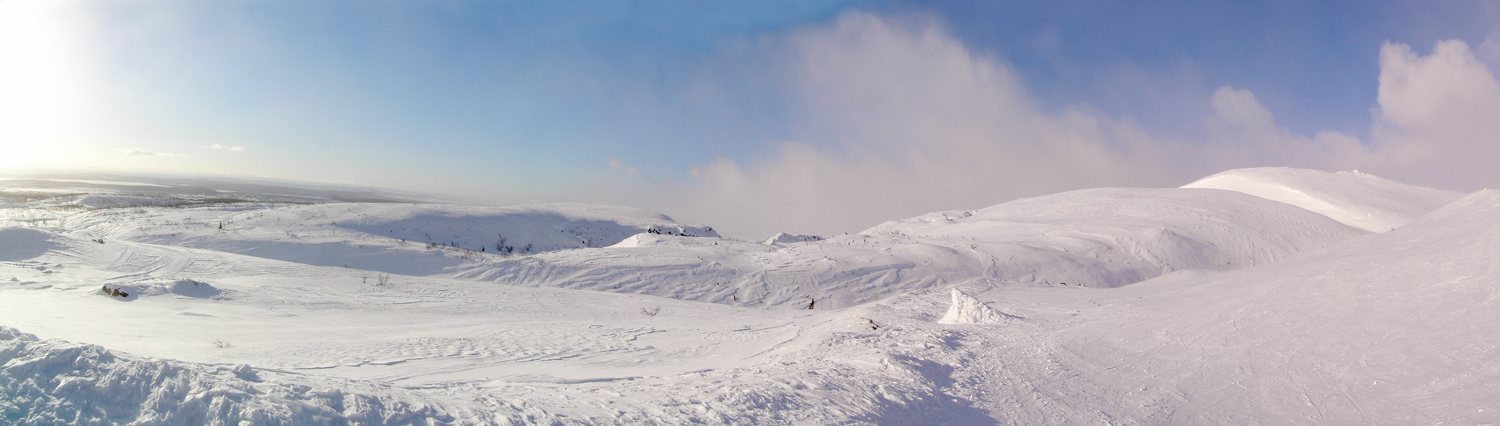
[805,117]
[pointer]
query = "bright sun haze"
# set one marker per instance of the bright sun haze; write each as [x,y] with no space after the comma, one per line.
[760,116]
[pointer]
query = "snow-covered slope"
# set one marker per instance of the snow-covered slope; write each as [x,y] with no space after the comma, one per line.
[1240,310]
[1091,238]
[1392,328]
[324,344]
[1356,199]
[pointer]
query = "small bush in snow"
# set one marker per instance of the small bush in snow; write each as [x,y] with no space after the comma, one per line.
[651,312]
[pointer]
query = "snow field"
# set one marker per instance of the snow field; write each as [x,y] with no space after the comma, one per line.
[1091,238]
[1182,306]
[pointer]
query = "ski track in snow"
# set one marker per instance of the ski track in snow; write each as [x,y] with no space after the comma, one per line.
[1205,305]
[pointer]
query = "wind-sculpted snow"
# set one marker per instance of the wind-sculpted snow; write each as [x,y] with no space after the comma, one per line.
[1356,199]
[55,382]
[968,310]
[1090,238]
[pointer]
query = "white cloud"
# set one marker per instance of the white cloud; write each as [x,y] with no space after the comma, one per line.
[1438,120]
[1242,133]
[218,147]
[898,118]
[1489,51]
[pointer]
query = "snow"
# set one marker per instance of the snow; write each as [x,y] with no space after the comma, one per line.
[1356,199]
[410,239]
[55,382]
[1093,238]
[968,310]
[22,243]
[785,238]
[1101,306]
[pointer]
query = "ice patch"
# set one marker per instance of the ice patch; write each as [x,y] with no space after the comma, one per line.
[968,310]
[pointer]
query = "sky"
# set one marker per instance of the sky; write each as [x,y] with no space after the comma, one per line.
[811,117]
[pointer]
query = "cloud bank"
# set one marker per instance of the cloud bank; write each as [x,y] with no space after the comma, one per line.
[896,117]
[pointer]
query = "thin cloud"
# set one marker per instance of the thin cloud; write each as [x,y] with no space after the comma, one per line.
[620,166]
[133,152]
[1489,50]
[218,147]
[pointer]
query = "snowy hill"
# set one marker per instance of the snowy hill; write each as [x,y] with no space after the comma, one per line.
[1391,328]
[785,238]
[1182,306]
[1356,199]
[1091,238]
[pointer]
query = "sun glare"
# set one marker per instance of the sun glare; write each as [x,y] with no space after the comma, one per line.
[39,75]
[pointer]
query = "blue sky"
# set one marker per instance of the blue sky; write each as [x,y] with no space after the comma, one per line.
[749,116]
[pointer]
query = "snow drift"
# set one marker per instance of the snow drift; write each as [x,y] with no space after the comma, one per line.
[55,382]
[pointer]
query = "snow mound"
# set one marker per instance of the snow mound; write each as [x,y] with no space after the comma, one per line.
[56,382]
[783,238]
[181,288]
[1354,198]
[22,243]
[191,288]
[968,310]
[647,239]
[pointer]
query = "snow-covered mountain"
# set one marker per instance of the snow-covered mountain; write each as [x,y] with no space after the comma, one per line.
[1258,296]
[1361,200]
